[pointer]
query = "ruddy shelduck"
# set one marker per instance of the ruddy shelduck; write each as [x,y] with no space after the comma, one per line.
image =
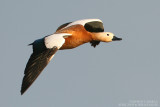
[67,36]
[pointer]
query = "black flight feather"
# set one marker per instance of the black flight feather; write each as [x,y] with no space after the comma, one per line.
[94,43]
[37,62]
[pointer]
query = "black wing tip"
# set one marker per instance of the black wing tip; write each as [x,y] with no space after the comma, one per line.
[30,44]
[22,92]
[94,46]
[24,87]
[94,43]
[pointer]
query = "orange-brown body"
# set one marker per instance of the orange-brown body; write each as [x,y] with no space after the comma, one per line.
[79,36]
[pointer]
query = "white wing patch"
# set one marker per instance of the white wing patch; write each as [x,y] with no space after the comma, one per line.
[55,40]
[82,22]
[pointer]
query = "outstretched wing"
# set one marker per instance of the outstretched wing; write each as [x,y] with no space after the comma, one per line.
[43,51]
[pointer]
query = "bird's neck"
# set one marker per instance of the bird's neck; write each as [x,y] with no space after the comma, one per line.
[99,36]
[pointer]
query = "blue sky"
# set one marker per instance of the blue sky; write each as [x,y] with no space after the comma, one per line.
[105,76]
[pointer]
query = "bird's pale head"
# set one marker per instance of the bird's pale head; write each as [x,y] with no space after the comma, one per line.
[110,37]
[106,37]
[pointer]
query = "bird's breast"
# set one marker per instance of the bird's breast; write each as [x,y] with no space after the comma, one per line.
[79,36]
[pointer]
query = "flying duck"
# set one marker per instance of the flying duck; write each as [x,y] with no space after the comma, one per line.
[67,36]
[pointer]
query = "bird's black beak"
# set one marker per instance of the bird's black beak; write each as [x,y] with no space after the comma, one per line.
[116,38]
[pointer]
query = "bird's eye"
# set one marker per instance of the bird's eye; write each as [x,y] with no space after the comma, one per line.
[107,34]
